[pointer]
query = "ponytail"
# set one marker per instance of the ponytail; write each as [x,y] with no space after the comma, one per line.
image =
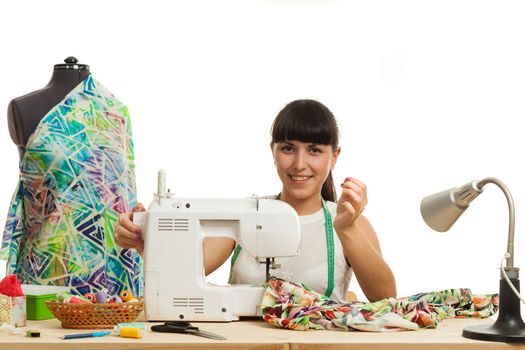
[328,190]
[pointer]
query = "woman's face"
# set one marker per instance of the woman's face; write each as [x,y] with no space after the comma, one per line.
[303,167]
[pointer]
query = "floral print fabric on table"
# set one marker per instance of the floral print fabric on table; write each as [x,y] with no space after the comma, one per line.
[293,306]
[77,175]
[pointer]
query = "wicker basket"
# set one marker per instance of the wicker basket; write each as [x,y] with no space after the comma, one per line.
[94,316]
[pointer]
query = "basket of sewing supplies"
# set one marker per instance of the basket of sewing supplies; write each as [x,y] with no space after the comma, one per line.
[95,311]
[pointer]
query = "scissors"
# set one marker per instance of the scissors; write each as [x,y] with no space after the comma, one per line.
[185,328]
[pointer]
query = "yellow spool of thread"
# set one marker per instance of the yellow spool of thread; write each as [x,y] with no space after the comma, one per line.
[130,332]
[126,295]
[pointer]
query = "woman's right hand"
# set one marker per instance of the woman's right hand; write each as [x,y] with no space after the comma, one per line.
[127,234]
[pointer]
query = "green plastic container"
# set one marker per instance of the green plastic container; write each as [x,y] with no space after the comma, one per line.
[36,297]
[36,308]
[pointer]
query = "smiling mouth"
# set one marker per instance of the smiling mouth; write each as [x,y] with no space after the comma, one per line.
[300,178]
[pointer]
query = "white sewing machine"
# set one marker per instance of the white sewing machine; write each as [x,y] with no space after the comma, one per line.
[174,230]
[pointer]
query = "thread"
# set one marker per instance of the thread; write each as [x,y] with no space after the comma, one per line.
[130,332]
[139,325]
[91,297]
[114,299]
[33,334]
[126,295]
[102,297]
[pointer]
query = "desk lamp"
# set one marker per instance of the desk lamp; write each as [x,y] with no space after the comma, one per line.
[440,211]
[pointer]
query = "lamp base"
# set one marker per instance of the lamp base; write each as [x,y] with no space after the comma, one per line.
[493,333]
[509,326]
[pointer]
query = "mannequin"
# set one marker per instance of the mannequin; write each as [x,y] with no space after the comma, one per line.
[25,112]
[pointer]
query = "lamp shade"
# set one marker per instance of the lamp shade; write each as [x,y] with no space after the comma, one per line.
[441,210]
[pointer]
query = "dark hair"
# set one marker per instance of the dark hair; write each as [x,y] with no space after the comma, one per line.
[308,121]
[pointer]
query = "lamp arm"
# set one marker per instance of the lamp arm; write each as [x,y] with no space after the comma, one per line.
[510,202]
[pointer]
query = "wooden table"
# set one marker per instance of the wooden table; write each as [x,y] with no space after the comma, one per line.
[257,335]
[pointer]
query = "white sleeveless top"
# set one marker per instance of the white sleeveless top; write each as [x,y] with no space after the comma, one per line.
[309,267]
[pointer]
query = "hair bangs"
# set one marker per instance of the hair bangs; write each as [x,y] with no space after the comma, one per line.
[306,121]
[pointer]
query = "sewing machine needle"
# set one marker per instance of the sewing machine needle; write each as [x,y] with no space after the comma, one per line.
[205,334]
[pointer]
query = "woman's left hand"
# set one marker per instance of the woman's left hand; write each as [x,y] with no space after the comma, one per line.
[351,204]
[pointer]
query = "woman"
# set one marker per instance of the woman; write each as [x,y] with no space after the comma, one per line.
[305,148]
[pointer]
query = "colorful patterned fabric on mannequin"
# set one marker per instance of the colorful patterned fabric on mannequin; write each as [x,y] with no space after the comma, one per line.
[77,175]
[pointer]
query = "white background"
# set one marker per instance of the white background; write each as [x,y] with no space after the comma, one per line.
[429,95]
